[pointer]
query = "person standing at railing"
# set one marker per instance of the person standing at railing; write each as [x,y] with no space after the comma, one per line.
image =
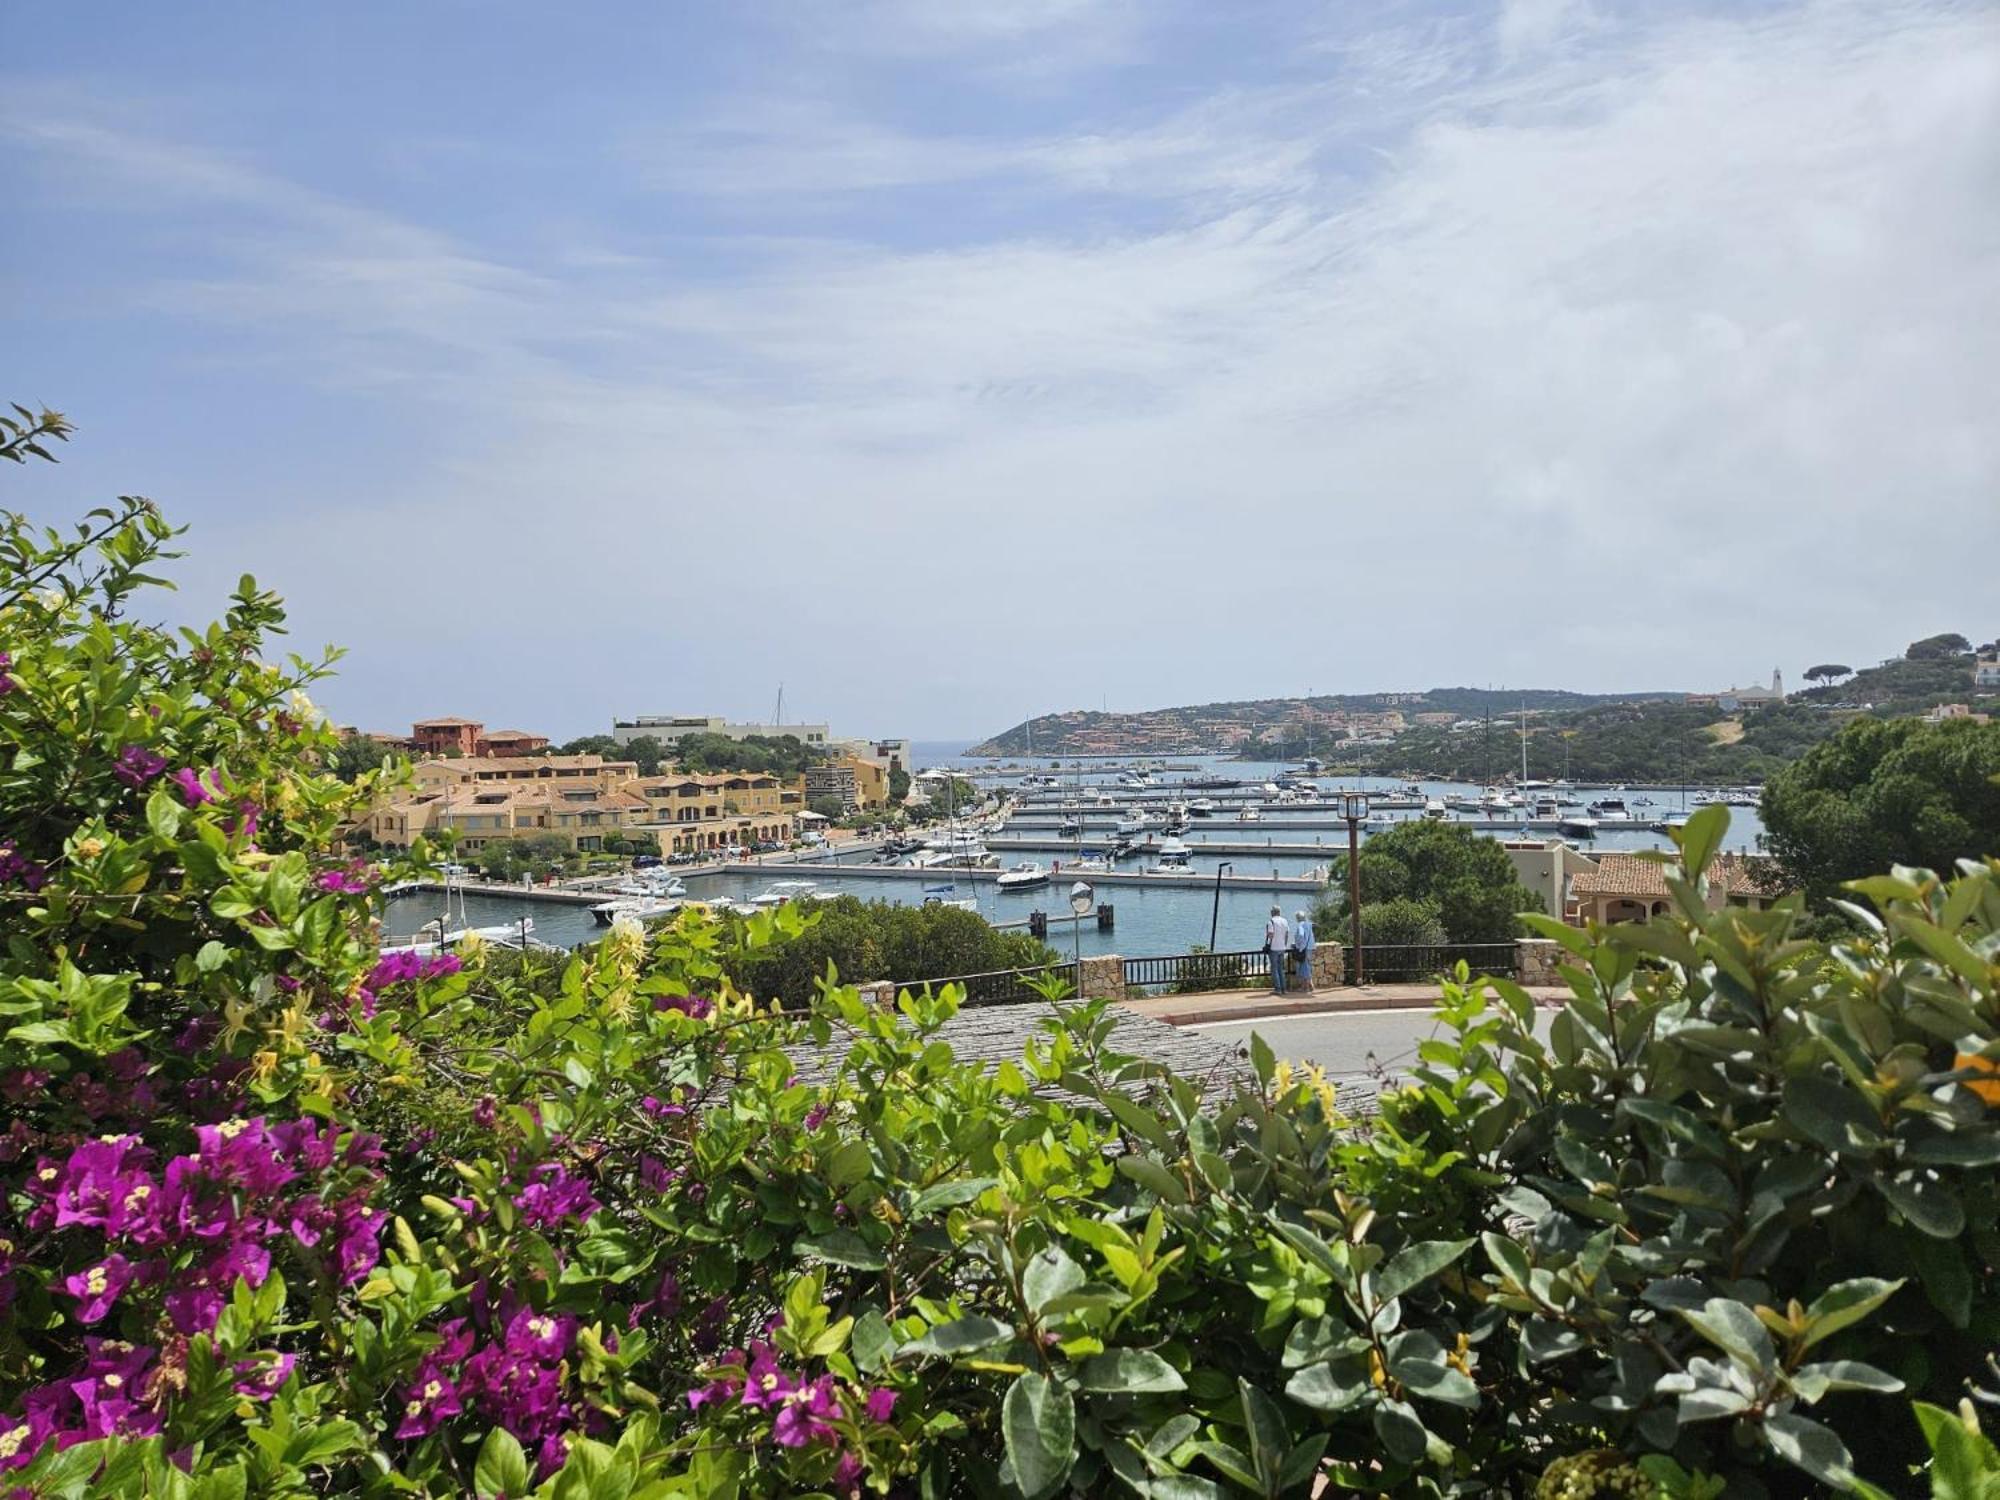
[1302,948]
[1278,947]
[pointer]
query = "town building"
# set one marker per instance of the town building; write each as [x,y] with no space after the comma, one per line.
[451,736]
[1986,672]
[670,729]
[1946,711]
[1627,888]
[570,771]
[1548,867]
[582,799]
[836,780]
[1735,699]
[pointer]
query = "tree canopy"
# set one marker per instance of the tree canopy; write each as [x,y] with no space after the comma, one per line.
[1931,647]
[1883,793]
[1827,671]
[1463,882]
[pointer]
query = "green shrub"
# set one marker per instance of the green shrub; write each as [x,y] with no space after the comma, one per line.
[285,1216]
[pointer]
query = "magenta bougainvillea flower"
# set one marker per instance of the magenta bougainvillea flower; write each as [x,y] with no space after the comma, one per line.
[137,765]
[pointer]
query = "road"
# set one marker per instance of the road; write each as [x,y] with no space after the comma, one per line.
[1353,1047]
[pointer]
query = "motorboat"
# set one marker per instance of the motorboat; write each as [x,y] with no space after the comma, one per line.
[1212,783]
[1069,828]
[1577,825]
[1174,849]
[638,908]
[780,891]
[1090,864]
[1610,810]
[1023,877]
[1201,807]
[956,840]
[1435,810]
[1135,822]
[1249,813]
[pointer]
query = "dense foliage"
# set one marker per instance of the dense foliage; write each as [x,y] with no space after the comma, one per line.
[1902,685]
[1658,743]
[645,751]
[869,940]
[1882,793]
[785,755]
[1432,882]
[282,1215]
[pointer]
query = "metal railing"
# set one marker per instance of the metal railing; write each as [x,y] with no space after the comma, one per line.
[1409,963]
[1000,986]
[1194,973]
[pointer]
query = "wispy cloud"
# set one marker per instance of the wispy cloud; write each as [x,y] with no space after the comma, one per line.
[1568,346]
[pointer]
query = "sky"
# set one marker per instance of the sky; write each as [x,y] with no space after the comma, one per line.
[950,363]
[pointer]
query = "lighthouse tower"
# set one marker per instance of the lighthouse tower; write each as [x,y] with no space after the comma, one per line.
[1777,684]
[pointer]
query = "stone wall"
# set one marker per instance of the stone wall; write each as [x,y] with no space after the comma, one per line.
[1329,966]
[1102,976]
[1535,961]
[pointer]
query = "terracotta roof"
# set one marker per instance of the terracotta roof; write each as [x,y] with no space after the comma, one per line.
[437,723]
[1629,875]
[514,734]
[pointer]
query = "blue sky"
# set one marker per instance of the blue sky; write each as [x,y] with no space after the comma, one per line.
[949,363]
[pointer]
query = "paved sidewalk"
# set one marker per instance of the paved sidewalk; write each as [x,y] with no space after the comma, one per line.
[1257,1005]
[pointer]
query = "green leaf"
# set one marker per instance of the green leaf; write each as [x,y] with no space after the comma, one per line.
[1832,1115]
[1128,1372]
[1701,837]
[228,1483]
[1734,1329]
[949,1194]
[1050,1274]
[1262,1059]
[1929,1207]
[1844,1304]
[1964,1463]
[843,1247]
[1816,1380]
[502,1468]
[963,1336]
[872,1344]
[1416,1264]
[1270,1440]
[1946,1279]
[1332,1386]
[1806,1444]
[163,814]
[1150,1174]
[1038,1422]
[1232,1463]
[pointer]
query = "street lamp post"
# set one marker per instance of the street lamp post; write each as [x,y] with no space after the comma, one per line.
[1215,910]
[1354,806]
[1081,898]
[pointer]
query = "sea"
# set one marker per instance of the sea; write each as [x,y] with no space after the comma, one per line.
[1147,920]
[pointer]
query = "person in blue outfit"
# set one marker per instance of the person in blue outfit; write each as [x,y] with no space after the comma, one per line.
[1302,949]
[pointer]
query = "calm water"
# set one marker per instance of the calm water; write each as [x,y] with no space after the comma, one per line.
[1149,919]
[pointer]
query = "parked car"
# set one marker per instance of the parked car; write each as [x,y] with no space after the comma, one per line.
[646,861]
[683,857]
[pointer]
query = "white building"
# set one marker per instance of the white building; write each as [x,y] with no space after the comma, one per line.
[1986,672]
[669,728]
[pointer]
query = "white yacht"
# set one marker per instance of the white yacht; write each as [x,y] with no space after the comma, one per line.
[1023,877]
[1577,825]
[638,908]
[947,895]
[1250,813]
[1135,822]
[780,891]
[1201,807]
[1435,810]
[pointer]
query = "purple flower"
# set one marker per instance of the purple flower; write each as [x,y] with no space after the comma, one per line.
[17,869]
[881,1403]
[553,1194]
[7,683]
[431,1399]
[544,1336]
[137,765]
[816,1116]
[263,1377]
[807,1414]
[694,1006]
[351,881]
[97,1290]
[193,792]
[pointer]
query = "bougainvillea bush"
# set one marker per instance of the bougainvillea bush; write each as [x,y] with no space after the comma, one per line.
[284,1214]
